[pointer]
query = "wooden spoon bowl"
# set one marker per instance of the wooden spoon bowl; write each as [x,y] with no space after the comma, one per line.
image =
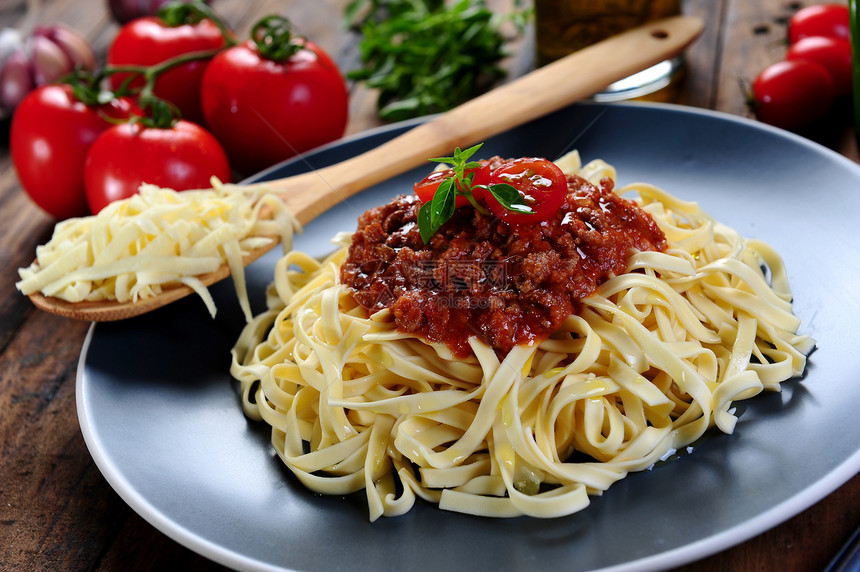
[534,95]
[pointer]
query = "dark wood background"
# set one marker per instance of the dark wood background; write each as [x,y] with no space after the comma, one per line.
[57,512]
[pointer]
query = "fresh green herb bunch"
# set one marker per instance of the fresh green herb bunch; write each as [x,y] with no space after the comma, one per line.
[426,56]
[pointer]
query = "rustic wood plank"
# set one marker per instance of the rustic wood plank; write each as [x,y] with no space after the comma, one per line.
[22,226]
[702,57]
[44,457]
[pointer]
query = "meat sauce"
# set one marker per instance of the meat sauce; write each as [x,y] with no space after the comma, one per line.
[478,276]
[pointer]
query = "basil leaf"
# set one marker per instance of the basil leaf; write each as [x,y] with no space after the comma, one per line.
[433,214]
[509,198]
[442,205]
[464,155]
[425,227]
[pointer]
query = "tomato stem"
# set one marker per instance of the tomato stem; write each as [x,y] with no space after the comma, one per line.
[152,72]
[164,114]
[273,36]
[470,196]
[177,13]
[86,87]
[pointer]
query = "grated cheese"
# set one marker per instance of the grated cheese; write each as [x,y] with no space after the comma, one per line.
[160,238]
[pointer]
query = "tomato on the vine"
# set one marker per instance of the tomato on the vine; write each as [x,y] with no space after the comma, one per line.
[273,97]
[833,54]
[541,184]
[151,40]
[51,132]
[792,94]
[426,188]
[829,20]
[184,156]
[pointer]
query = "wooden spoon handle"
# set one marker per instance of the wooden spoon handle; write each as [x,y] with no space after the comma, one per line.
[542,91]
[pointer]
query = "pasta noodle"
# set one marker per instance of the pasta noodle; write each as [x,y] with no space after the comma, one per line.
[652,361]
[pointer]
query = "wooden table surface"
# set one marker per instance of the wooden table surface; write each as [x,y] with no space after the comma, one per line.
[57,512]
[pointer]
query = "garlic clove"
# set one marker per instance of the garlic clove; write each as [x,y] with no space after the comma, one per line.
[49,61]
[74,45]
[46,55]
[15,80]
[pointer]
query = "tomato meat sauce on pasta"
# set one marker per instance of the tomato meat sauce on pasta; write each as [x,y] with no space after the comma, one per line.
[519,363]
[480,276]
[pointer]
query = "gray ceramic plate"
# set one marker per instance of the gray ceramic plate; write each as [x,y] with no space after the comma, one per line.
[161,417]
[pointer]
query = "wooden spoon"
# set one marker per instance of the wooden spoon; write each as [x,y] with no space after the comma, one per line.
[538,93]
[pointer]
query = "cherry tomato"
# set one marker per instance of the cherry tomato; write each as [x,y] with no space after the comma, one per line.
[792,94]
[50,135]
[265,111]
[149,40]
[541,183]
[181,157]
[830,20]
[834,54]
[426,188]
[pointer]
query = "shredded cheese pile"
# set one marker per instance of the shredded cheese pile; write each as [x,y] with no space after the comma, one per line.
[160,238]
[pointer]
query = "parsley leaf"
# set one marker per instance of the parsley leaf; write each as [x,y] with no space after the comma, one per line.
[428,56]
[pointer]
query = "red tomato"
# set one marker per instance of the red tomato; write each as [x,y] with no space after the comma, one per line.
[541,183]
[50,135]
[829,20]
[834,54]
[148,41]
[792,94]
[181,157]
[426,188]
[265,111]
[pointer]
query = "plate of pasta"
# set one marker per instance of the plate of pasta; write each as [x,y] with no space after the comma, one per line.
[692,401]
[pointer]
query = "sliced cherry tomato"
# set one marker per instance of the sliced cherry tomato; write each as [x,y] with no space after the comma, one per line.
[792,94]
[541,184]
[50,135]
[181,157]
[266,110]
[830,20]
[834,54]
[150,40]
[426,188]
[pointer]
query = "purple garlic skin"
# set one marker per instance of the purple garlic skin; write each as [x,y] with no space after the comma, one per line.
[44,56]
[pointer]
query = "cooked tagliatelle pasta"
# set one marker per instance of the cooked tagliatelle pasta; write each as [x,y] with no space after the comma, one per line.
[136,247]
[650,362]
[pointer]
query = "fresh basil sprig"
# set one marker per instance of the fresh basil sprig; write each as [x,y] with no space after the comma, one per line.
[436,212]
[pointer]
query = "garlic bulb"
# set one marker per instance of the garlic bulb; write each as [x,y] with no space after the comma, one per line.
[29,59]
